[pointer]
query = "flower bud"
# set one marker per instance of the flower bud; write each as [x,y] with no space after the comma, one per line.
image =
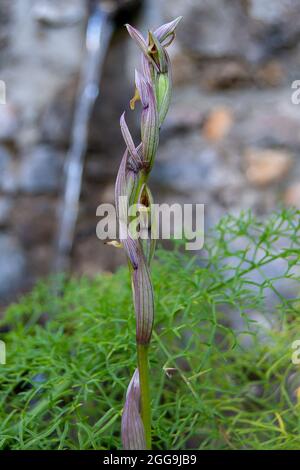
[126,185]
[149,120]
[133,433]
[166,30]
[143,298]
[141,43]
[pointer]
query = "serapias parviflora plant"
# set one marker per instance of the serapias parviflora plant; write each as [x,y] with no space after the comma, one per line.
[153,90]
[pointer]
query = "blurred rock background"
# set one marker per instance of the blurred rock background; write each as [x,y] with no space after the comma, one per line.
[231,140]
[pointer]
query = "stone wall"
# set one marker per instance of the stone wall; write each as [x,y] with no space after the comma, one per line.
[231,139]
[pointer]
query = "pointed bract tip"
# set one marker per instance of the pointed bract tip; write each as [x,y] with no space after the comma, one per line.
[167,29]
[137,36]
[133,432]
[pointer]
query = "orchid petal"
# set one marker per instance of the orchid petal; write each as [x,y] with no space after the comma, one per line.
[147,69]
[149,119]
[138,38]
[140,41]
[126,183]
[150,128]
[133,433]
[141,85]
[128,139]
[167,29]
[157,52]
[143,299]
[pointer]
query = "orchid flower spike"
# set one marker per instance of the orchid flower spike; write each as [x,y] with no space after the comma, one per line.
[153,89]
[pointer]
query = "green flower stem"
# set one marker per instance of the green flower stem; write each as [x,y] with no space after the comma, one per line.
[142,354]
[143,366]
[153,89]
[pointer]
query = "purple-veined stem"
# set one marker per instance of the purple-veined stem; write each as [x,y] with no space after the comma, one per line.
[143,366]
[153,88]
[142,355]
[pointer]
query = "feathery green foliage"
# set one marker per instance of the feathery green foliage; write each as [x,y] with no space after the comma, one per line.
[68,357]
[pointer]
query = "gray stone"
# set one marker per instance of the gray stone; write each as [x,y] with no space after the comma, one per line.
[12,267]
[267,119]
[39,61]
[251,29]
[58,12]
[57,116]
[187,164]
[260,10]
[274,24]
[40,170]
[5,207]
[8,122]
[4,164]
[214,28]
[5,7]
[8,172]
